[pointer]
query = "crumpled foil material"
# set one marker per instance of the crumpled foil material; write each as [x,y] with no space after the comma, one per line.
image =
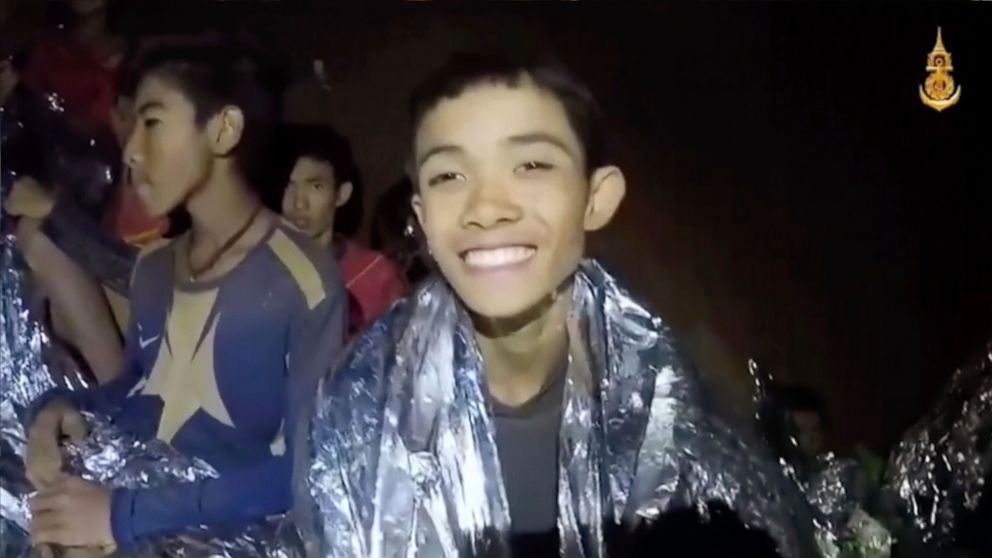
[30,364]
[836,492]
[402,459]
[833,487]
[940,469]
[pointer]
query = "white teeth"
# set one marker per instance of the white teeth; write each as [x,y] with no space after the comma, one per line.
[496,257]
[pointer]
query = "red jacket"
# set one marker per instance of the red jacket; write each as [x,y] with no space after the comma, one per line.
[373,283]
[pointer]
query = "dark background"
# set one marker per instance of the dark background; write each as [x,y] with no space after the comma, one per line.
[790,198]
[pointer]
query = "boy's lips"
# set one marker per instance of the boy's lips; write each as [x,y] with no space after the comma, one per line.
[301,223]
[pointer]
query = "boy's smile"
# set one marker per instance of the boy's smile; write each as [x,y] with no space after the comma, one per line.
[502,195]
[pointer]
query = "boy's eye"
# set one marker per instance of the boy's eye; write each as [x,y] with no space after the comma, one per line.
[532,166]
[151,122]
[443,177]
[317,186]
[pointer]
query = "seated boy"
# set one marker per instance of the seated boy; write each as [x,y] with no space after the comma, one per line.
[226,320]
[323,191]
[521,401]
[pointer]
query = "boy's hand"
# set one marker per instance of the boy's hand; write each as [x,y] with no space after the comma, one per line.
[28,198]
[44,456]
[72,512]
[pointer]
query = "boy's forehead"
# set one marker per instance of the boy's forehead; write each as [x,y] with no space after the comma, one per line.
[156,92]
[313,166]
[491,113]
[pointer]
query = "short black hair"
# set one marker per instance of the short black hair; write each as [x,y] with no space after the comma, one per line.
[214,72]
[464,70]
[322,142]
[795,398]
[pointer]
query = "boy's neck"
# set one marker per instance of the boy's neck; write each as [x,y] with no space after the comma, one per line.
[521,354]
[326,239]
[219,209]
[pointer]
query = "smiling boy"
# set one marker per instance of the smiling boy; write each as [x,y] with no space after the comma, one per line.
[521,402]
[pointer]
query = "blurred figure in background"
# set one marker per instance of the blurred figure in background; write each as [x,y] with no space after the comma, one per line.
[79,62]
[323,199]
[396,233]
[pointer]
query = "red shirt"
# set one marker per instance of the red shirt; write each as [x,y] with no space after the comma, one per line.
[373,283]
[86,85]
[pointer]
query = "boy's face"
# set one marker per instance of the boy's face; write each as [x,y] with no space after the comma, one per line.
[168,153]
[809,432]
[504,198]
[312,197]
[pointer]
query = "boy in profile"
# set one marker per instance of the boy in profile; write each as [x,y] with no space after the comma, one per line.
[226,323]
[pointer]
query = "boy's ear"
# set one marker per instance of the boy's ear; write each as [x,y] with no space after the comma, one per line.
[345,190]
[225,130]
[607,188]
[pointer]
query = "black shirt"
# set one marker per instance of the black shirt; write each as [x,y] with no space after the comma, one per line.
[527,442]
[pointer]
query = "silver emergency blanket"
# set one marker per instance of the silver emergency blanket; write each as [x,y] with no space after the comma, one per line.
[30,365]
[835,488]
[940,469]
[836,492]
[402,459]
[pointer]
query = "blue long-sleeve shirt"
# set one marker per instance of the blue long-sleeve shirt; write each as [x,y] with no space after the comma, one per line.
[214,368]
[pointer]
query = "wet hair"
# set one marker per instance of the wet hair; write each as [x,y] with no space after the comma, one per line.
[465,70]
[212,73]
[322,142]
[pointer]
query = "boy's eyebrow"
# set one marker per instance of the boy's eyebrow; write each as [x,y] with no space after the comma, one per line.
[149,105]
[541,137]
[437,150]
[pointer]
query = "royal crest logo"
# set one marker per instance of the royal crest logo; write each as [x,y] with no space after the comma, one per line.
[939,90]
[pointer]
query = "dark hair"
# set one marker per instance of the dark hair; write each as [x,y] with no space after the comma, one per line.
[464,70]
[323,143]
[396,233]
[215,72]
[799,399]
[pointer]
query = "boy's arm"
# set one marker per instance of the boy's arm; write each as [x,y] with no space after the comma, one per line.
[236,496]
[254,491]
[105,398]
[108,397]
[86,242]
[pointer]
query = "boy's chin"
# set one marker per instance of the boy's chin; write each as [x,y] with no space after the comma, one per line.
[507,312]
[157,211]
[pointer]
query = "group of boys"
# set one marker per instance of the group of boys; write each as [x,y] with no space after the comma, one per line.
[519,400]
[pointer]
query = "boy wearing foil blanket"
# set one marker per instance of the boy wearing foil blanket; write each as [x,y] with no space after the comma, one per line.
[227,320]
[521,402]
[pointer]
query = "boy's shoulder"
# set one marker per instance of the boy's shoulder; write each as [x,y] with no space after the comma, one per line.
[310,267]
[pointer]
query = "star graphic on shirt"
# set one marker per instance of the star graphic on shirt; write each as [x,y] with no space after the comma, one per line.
[183,374]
